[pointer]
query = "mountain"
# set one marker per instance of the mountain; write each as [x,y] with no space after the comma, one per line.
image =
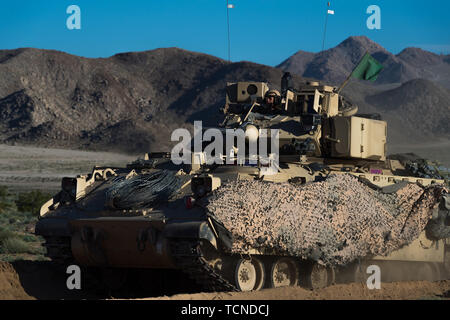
[420,103]
[298,62]
[335,64]
[128,102]
[131,102]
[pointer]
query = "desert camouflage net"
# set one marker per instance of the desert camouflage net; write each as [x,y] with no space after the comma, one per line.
[333,222]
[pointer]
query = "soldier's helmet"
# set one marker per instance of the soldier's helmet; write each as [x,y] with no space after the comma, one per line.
[272,93]
[275,94]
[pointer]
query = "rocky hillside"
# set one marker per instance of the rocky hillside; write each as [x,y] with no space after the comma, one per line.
[133,101]
[128,102]
[422,105]
[335,64]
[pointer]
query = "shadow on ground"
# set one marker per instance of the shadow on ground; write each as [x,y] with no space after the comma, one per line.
[44,280]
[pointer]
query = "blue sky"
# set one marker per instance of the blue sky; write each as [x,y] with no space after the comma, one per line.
[263,31]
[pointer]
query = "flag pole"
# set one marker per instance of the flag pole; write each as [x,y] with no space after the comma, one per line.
[344,83]
[351,73]
[228,26]
[325,30]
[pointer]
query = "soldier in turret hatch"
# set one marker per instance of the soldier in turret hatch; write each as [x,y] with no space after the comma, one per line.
[271,103]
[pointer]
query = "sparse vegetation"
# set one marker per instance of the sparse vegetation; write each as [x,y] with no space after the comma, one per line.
[5,202]
[31,201]
[5,234]
[29,238]
[18,212]
[15,245]
[3,191]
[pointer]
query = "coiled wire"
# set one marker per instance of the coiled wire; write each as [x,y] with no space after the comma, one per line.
[142,191]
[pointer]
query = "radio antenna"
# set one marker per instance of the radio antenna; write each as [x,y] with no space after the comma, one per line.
[326,21]
[229,6]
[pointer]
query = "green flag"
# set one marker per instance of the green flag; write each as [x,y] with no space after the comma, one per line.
[367,69]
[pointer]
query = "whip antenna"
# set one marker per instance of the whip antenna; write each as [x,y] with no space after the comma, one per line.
[326,21]
[229,6]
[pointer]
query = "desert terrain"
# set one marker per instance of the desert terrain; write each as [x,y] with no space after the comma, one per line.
[40,280]
[61,115]
[28,168]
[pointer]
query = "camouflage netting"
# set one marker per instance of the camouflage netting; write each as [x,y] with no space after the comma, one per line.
[333,222]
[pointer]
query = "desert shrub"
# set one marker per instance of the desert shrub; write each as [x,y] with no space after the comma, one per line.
[32,201]
[29,238]
[41,257]
[11,243]
[7,206]
[3,192]
[5,202]
[39,250]
[14,245]
[5,234]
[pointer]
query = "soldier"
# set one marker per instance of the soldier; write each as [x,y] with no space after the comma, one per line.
[272,103]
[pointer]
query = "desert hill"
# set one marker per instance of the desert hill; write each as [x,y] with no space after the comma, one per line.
[421,104]
[335,64]
[132,101]
[125,102]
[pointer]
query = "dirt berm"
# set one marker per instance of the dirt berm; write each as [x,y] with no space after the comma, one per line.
[25,280]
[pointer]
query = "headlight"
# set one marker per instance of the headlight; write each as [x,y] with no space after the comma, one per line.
[69,185]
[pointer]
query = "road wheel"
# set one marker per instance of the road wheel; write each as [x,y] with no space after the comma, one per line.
[249,274]
[283,273]
[316,276]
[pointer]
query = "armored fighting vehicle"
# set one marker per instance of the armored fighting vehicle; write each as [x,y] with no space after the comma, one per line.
[154,213]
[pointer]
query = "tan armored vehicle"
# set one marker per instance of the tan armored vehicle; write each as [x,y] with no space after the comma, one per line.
[155,214]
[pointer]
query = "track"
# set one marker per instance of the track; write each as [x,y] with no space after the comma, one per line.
[190,259]
[58,249]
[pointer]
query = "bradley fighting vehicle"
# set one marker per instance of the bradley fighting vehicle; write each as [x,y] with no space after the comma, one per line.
[91,223]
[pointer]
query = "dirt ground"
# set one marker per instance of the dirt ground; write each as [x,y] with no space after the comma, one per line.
[25,167]
[351,291]
[24,280]
[42,168]
[433,150]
